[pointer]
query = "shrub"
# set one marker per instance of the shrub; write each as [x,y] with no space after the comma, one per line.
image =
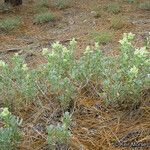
[17,86]
[44,17]
[102,37]
[9,134]
[114,8]
[9,24]
[145,5]
[87,71]
[121,79]
[60,134]
[125,81]
[57,72]
[117,22]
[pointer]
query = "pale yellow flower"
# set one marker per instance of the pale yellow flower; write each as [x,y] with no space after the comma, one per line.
[5,112]
[141,52]
[88,50]
[45,51]
[134,71]
[2,63]
[24,67]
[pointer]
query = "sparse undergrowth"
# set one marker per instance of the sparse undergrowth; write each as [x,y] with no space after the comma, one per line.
[97,11]
[9,24]
[130,1]
[145,5]
[62,4]
[102,37]
[114,8]
[5,8]
[44,17]
[117,22]
[41,6]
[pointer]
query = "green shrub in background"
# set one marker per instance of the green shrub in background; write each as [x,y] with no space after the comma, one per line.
[43,3]
[62,4]
[41,6]
[117,22]
[9,134]
[9,24]
[102,37]
[145,5]
[130,1]
[114,8]
[5,8]
[44,17]
[60,134]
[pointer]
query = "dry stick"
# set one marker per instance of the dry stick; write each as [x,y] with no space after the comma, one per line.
[11,50]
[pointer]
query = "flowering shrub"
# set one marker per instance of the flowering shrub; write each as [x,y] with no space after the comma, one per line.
[17,84]
[87,72]
[57,71]
[9,133]
[125,81]
[121,78]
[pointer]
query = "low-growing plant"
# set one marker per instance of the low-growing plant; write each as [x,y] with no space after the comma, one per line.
[9,24]
[145,5]
[9,133]
[60,62]
[102,37]
[87,72]
[5,8]
[62,4]
[60,134]
[114,8]
[44,17]
[43,3]
[41,6]
[125,81]
[117,22]
[130,1]
[17,86]
[121,78]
